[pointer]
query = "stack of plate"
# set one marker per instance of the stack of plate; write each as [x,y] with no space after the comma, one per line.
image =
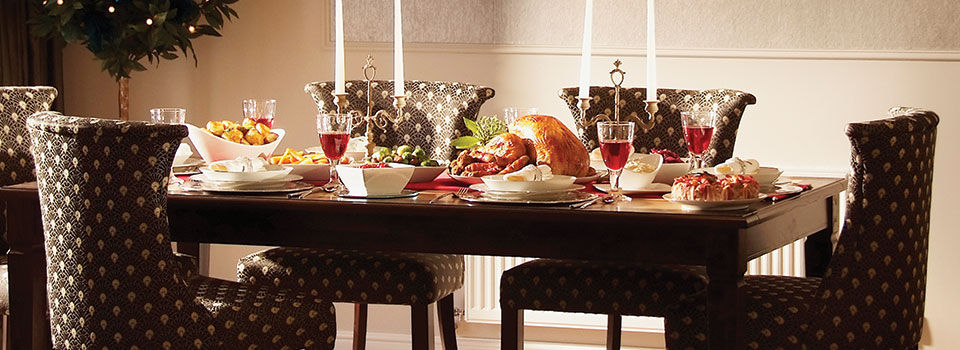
[273,179]
[556,190]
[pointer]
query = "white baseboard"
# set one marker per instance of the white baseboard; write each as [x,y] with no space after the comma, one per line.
[393,341]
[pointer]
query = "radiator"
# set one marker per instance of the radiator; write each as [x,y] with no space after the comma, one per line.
[482,290]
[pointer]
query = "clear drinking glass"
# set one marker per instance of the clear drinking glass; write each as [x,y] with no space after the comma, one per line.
[615,141]
[168,115]
[334,131]
[261,111]
[698,132]
[511,114]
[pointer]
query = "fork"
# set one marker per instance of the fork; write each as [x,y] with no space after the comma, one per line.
[457,194]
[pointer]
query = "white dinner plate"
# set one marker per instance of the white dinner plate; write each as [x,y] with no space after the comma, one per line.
[245,185]
[525,195]
[189,162]
[653,188]
[573,197]
[470,180]
[403,194]
[286,187]
[270,173]
[715,205]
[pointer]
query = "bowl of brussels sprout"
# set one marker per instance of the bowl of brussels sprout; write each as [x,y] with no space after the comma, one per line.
[425,169]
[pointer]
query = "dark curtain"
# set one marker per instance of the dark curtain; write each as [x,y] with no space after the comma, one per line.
[24,59]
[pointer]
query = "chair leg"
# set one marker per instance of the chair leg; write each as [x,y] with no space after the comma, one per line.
[420,324]
[448,326]
[613,332]
[359,326]
[511,328]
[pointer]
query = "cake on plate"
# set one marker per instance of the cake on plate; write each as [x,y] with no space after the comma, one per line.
[708,187]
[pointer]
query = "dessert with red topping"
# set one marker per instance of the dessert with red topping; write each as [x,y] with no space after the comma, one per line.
[708,187]
[668,155]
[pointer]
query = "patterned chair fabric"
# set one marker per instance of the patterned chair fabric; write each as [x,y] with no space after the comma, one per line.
[433,115]
[668,130]
[112,278]
[355,276]
[16,163]
[602,288]
[872,295]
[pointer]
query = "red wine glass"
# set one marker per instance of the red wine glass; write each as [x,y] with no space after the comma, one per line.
[698,132]
[615,141]
[334,131]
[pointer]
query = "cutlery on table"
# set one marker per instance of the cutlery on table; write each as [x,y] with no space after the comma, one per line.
[302,194]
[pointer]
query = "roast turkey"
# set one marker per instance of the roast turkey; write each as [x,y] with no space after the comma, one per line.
[556,145]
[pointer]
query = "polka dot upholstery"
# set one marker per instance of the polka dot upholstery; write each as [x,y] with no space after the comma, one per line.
[667,133]
[112,279]
[433,115]
[16,163]
[355,276]
[872,295]
[594,287]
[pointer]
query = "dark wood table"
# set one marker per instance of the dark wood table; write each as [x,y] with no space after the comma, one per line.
[644,230]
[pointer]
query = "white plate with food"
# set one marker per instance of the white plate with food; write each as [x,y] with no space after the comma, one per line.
[653,188]
[470,180]
[570,198]
[483,188]
[267,173]
[262,184]
[735,204]
[283,187]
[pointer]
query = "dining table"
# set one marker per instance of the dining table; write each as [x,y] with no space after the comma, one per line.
[645,230]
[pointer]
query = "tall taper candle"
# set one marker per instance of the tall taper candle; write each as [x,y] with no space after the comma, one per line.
[585,54]
[397,51]
[651,52]
[339,75]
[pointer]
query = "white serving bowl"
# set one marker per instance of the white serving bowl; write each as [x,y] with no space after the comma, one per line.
[498,183]
[270,172]
[311,172]
[213,148]
[375,181]
[670,171]
[424,173]
[631,180]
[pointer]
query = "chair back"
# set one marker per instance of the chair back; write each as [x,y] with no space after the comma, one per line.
[872,294]
[16,163]
[432,117]
[667,132]
[111,278]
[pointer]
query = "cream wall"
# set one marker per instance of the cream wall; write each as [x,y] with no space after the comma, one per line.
[804,100]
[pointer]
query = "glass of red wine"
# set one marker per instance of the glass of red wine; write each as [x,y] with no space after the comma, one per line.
[334,131]
[615,141]
[261,111]
[698,132]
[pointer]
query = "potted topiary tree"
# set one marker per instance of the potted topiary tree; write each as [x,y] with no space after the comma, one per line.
[120,33]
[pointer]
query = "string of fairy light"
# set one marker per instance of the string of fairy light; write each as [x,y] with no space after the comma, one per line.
[149,20]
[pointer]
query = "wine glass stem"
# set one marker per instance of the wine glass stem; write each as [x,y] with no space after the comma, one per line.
[334,177]
[615,190]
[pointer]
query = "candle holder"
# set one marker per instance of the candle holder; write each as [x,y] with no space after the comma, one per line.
[381,119]
[617,76]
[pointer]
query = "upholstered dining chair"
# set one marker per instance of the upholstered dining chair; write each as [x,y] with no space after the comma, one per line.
[872,294]
[112,277]
[667,133]
[16,163]
[433,115]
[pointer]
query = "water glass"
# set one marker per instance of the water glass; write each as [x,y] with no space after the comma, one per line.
[511,114]
[615,141]
[168,115]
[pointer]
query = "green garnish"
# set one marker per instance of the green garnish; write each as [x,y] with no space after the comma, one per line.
[484,129]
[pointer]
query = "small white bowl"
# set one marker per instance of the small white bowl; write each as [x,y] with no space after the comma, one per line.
[670,171]
[631,180]
[424,173]
[213,148]
[375,181]
[766,176]
[270,172]
[498,183]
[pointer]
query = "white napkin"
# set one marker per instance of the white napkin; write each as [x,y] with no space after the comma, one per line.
[530,173]
[240,165]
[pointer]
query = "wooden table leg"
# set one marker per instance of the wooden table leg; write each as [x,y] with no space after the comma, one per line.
[818,247]
[28,275]
[725,270]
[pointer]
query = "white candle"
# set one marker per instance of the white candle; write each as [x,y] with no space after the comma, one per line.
[397,51]
[585,54]
[651,53]
[339,75]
